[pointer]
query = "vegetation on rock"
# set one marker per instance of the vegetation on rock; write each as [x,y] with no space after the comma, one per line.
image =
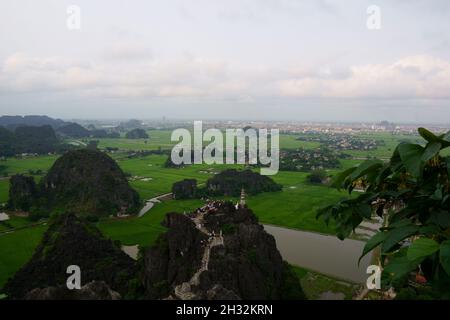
[137,133]
[230,183]
[72,240]
[87,181]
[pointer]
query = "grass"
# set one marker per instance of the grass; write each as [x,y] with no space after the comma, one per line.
[16,249]
[157,138]
[162,178]
[14,222]
[144,230]
[14,165]
[314,284]
[289,141]
[296,205]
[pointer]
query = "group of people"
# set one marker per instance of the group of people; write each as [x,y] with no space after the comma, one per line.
[209,207]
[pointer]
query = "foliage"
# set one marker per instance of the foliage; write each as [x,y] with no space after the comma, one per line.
[412,189]
[230,183]
[30,140]
[185,189]
[306,160]
[317,177]
[73,130]
[136,134]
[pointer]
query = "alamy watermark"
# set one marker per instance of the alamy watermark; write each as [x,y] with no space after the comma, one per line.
[374,17]
[235,144]
[74,280]
[73,21]
[374,280]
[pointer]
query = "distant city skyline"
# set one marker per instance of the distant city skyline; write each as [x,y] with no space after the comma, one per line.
[312,60]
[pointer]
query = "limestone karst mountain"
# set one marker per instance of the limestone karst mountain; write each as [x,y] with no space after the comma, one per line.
[70,240]
[217,252]
[85,181]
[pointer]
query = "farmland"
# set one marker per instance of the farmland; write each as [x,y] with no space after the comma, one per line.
[293,207]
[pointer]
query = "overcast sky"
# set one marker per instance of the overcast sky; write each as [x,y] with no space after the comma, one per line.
[204,59]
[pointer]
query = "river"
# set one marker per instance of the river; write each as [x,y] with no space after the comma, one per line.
[322,253]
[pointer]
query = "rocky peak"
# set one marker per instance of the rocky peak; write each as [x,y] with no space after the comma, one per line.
[217,252]
[71,240]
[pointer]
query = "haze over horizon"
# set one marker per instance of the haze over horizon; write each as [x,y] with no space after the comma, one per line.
[261,60]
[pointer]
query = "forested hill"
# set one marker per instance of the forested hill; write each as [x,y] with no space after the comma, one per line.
[28,139]
[12,122]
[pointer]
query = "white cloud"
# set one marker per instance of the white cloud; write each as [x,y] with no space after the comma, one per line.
[409,77]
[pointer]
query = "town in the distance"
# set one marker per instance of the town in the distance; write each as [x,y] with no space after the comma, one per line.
[98,209]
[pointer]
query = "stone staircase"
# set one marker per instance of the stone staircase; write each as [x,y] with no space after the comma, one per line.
[183,291]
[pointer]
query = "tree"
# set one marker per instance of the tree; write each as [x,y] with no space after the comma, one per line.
[317,177]
[411,192]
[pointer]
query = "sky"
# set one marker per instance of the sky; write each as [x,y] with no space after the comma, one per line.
[318,60]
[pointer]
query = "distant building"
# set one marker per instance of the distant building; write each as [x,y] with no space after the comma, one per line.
[3,216]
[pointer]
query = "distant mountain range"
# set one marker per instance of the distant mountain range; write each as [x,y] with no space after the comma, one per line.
[12,122]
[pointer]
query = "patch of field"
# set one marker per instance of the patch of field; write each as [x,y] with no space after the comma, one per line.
[162,178]
[144,230]
[16,249]
[157,138]
[14,222]
[315,284]
[14,165]
[295,207]
[384,152]
[289,141]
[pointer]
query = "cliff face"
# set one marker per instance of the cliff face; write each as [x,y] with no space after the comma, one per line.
[72,241]
[22,192]
[219,252]
[137,134]
[95,290]
[88,182]
[185,189]
[230,182]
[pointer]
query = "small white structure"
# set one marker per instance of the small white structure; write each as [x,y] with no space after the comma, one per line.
[3,216]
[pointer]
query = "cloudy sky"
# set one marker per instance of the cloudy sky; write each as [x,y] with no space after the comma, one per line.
[204,59]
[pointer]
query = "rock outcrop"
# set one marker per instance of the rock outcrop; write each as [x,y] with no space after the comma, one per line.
[230,183]
[217,252]
[95,290]
[88,182]
[23,192]
[185,189]
[137,133]
[71,240]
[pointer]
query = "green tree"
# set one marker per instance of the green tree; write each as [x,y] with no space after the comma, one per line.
[411,192]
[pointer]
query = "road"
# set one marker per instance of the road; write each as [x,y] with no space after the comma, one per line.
[151,202]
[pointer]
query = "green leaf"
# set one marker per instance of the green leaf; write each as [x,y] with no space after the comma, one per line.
[365,167]
[448,165]
[364,210]
[337,182]
[421,248]
[399,267]
[411,155]
[440,218]
[444,256]
[437,195]
[373,243]
[396,235]
[431,150]
[427,135]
